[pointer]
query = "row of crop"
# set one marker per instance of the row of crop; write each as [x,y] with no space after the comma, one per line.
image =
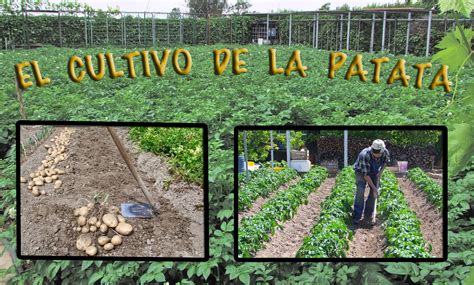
[330,236]
[256,230]
[261,185]
[401,226]
[432,189]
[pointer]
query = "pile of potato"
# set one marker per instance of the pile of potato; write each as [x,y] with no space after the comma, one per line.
[95,222]
[47,172]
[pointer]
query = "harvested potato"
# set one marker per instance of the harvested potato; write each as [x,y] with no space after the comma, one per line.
[91,250]
[47,146]
[108,246]
[31,183]
[57,184]
[120,219]
[103,228]
[98,224]
[43,192]
[110,220]
[81,221]
[30,187]
[76,212]
[92,229]
[116,240]
[85,229]
[32,175]
[124,229]
[83,211]
[35,191]
[39,182]
[22,179]
[48,179]
[90,205]
[77,229]
[114,210]
[102,240]
[54,177]
[92,221]
[60,171]
[83,241]
[43,173]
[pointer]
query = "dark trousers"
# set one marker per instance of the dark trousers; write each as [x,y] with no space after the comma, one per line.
[361,206]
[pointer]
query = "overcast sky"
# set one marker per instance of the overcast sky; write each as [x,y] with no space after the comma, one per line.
[257,5]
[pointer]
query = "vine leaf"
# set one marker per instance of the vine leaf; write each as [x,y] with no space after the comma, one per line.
[460,146]
[463,7]
[453,51]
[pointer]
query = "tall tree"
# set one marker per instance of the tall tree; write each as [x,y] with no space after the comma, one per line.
[206,8]
[240,7]
[174,14]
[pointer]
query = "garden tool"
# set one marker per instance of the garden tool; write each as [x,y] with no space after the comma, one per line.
[134,210]
[375,206]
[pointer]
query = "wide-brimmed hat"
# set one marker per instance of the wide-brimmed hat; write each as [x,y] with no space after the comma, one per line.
[378,145]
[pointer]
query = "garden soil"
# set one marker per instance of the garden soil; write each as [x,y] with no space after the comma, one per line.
[94,165]
[257,206]
[368,240]
[287,241]
[429,216]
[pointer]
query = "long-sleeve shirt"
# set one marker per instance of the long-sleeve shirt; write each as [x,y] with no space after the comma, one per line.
[365,160]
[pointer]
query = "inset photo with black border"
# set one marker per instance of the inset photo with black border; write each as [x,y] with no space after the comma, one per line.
[340,193]
[112,191]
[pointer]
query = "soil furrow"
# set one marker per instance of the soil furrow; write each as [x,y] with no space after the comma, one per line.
[368,240]
[287,241]
[257,206]
[429,216]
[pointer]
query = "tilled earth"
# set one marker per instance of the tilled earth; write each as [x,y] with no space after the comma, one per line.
[94,165]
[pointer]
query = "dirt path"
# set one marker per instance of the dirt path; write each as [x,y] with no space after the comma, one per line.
[287,241]
[368,240]
[256,207]
[94,165]
[430,218]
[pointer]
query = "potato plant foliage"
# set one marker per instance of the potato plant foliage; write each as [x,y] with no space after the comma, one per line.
[432,189]
[224,102]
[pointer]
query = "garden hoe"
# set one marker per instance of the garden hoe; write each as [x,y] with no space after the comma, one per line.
[375,208]
[134,210]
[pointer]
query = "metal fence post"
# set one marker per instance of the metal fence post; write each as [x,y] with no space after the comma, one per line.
[107,27]
[125,31]
[348,30]
[60,31]
[428,33]
[372,31]
[268,26]
[92,39]
[383,29]
[317,31]
[153,29]
[408,33]
[341,29]
[180,28]
[139,30]
[168,30]
[289,32]
[85,29]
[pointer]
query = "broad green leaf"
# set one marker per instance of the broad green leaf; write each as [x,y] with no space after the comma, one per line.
[460,146]
[462,6]
[453,50]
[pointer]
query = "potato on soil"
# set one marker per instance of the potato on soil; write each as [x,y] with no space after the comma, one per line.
[92,220]
[30,187]
[57,184]
[48,179]
[83,211]
[91,250]
[108,246]
[31,183]
[32,175]
[81,221]
[103,228]
[98,224]
[35,191]
[60,171]
[102,240]
[43,192]
[110,220]
[85,229]
[90,205]
[124,229]
[83,241]
[39,182]
[120,219]
[92,229]
[22,179]
[114,210]
[116,240]
[54,177]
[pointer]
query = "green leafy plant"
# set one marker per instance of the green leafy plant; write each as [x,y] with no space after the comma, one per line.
[255,230]
[433,190]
